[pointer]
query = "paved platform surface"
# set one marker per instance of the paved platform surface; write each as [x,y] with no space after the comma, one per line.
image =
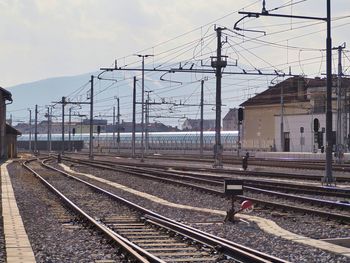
[266,225]
[297,155]
[18,248]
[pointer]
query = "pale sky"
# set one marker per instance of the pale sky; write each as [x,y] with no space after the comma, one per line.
[42,39]
[48,38]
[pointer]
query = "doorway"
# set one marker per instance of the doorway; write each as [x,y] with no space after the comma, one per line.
[286,146]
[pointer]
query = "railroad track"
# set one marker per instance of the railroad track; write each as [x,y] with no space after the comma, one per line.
[270,162]
[336,210]
[146,236]
[223,172]
[198,174]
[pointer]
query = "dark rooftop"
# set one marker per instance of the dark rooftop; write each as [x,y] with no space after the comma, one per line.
[7,94]
[11,130]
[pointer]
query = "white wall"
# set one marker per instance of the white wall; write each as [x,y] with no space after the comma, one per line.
[292,124]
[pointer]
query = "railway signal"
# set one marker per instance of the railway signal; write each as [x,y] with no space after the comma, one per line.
[316,125]
[240,115]
[240,119]
[232,188]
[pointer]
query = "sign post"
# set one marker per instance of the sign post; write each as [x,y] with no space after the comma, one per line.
[232,188]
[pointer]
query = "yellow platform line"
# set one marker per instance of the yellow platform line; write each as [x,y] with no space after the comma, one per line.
[266,225]
[17,245]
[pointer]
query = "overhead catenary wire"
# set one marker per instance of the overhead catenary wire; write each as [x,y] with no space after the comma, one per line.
[194,56]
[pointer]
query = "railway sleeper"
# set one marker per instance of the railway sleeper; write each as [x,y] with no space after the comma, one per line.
[164,243]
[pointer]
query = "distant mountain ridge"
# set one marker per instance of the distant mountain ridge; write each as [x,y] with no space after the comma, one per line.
[43,92]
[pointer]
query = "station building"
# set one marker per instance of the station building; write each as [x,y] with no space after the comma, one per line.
[8,135]
[230,121]
[301,100]
[11,141]
[194,125]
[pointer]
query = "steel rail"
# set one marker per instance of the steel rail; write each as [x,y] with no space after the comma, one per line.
[274,162]
[244,253]
[212,179]
[215,180]
[270,162]
[336,216]
[225,246]
[340,178]
[134,251]
[284,186]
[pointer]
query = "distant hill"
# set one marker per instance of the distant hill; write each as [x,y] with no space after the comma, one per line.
[43,92]
[183,88]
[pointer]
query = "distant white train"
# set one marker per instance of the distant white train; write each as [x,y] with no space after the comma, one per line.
[157,140]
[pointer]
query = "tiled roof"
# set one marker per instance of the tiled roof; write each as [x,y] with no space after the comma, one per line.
[291,93]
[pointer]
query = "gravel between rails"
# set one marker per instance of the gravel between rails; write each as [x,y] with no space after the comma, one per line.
[307,225]
[51,240]
[174,162]
[244,233]
[2,237]
[95,203]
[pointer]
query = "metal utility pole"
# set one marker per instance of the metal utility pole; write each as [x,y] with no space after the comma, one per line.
[282,120]
[114,128]
[118,128]
[142,105]
[36,131]
[64,102]
[133,119]
[218,64]
[63,105]
[30,130]
[341,112]
[48,128]
[50,125]
[91,145]
[81,128]
[201,123]
[239,125]
[69,129]
[147,122]
[328,177]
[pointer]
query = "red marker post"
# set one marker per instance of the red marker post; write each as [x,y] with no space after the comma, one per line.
[246,206]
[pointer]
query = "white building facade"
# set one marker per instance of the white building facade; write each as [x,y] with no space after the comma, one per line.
[301,141]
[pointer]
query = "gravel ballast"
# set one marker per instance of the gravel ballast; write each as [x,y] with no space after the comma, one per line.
[53,240]
[244,233]
[298,223]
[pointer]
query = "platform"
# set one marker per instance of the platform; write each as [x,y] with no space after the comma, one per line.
[296,155]
[18,248]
